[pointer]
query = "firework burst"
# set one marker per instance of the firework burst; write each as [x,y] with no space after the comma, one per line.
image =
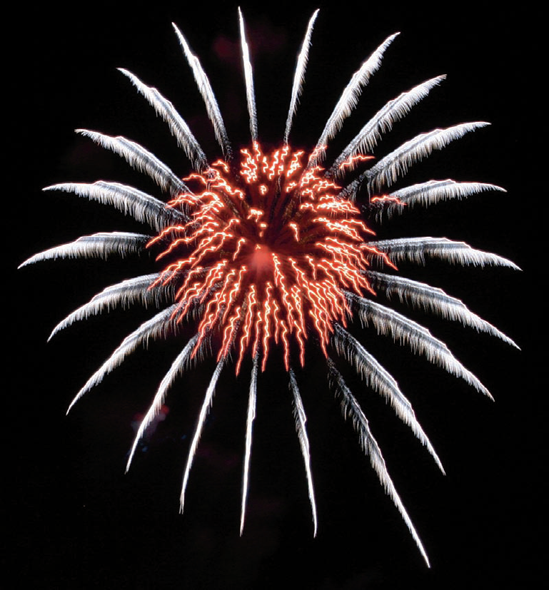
[261,251]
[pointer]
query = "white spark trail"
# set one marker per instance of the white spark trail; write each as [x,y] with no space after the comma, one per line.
[380,380]
[416,249]
[175,370]
[157,326]
[349,98]
[396,164]
[179,129]
[122,294]
[252,401]
[248,76]
[198,432]
[351,407]
[300,425]
[208,95]
[100,245]
[140,159]
[127,199]
[299,76]
[433,300]
[430,193]
[418,338]
[382,122]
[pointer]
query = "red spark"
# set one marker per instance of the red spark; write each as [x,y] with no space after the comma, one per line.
[268,252]
[392,199]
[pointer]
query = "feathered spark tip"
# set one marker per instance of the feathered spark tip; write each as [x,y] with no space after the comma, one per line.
[270,250]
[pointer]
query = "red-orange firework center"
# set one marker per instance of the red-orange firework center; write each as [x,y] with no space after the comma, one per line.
[267,254]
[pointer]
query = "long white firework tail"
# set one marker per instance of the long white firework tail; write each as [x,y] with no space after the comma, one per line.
[252,401]
[350,95]
[206,405]
[300,425]
[249,78]
[299,76]
[175,370]
[208,95]
[350,407]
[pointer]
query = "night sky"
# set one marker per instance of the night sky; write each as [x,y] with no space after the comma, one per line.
[74,519]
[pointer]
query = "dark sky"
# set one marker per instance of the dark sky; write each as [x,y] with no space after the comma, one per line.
[74,519]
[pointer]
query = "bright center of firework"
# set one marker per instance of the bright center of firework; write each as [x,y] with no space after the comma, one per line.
[268,255]
[261,260]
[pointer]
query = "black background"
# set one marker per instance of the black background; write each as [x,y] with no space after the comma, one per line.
[74,520]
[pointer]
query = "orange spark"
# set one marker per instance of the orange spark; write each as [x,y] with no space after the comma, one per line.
[267,254]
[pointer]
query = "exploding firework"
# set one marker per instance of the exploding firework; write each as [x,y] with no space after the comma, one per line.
[262,251]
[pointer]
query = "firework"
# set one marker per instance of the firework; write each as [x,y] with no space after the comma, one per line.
[271,251]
